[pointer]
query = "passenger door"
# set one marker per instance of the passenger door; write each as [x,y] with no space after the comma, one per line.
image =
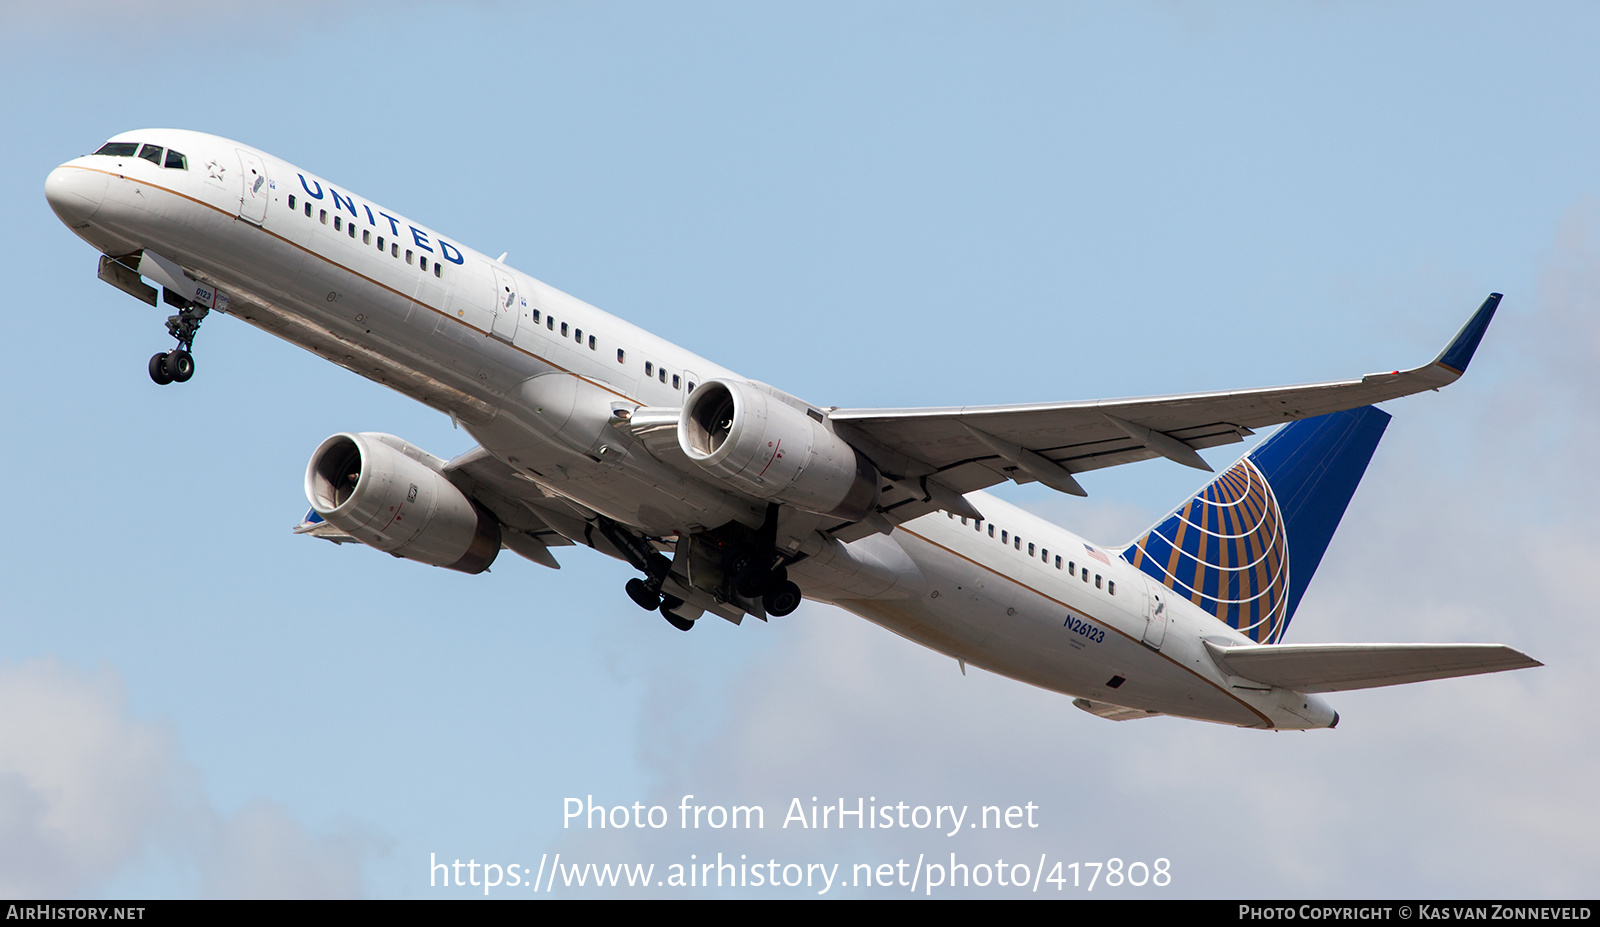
[509,304]
[1155,627]
[257,189]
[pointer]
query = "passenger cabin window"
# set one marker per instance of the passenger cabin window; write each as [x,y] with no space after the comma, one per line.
[591,342]
[577,335]
[1111,587]
[661,374]
[366,236]
[691,386]
[338,223]
[649,369]
[621,356]
[291,201]
[409,252]
[1097,580]
[674,381]
[438,269]
[308,209]
[536,319]
[422,262]
[563,329]
[394,249]
[118,149]
[323,216]
[179,162]
[151,153]
[1058,562]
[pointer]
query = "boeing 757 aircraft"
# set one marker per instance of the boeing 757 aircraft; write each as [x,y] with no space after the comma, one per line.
[731,497]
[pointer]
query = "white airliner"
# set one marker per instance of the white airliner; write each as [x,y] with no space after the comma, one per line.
[733,498]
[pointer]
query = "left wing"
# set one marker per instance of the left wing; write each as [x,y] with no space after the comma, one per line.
[928,451]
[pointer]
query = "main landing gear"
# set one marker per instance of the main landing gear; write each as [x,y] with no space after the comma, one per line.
[177,365]
[735,565]
[647,594]
[778,595]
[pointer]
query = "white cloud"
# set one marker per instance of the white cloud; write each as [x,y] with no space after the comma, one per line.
[87,792]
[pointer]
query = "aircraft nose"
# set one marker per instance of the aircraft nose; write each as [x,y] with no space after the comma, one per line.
[74,193]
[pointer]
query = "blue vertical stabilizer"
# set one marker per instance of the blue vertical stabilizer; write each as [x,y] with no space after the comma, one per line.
[1245,547]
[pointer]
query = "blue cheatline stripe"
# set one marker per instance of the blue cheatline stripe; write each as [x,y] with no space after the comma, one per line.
[1245,546]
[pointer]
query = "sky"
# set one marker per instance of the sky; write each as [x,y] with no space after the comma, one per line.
[865,204]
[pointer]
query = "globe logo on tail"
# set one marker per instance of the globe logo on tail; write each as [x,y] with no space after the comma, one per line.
[1227,551]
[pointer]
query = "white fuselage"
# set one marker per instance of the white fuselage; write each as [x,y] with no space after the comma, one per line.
[533,374]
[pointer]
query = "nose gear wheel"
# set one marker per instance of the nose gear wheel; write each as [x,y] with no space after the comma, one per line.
[177,365]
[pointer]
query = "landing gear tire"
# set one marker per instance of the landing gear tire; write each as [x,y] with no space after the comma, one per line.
[782,599]
[670,602]
[641,595]
[159,371]
[753,585]
[180,365]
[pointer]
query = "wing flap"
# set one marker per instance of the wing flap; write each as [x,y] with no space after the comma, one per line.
[1339,667]
[1113,712]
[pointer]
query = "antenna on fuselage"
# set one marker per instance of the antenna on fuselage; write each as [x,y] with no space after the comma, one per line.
[502,258]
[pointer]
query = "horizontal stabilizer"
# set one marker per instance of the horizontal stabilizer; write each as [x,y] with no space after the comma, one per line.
[1337,667]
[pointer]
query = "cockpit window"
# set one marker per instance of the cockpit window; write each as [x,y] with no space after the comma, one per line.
[151,153]
[118,149]
[177,160]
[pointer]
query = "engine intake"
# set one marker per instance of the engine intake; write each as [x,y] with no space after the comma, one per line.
[774,451]
[390,495]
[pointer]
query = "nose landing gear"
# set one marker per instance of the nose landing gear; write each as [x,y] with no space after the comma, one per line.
[177,365]
[174,366]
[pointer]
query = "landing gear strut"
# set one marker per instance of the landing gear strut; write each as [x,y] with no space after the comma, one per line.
[177,365]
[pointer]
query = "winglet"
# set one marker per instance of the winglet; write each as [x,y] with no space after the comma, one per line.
[1458,353]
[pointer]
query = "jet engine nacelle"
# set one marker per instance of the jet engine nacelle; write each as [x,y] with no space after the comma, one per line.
[390,495]
[774,451]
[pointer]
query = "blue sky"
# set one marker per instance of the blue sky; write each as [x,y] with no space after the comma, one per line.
[866,204]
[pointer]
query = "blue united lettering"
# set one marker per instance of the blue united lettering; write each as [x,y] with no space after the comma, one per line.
[422,238]
[340,202]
